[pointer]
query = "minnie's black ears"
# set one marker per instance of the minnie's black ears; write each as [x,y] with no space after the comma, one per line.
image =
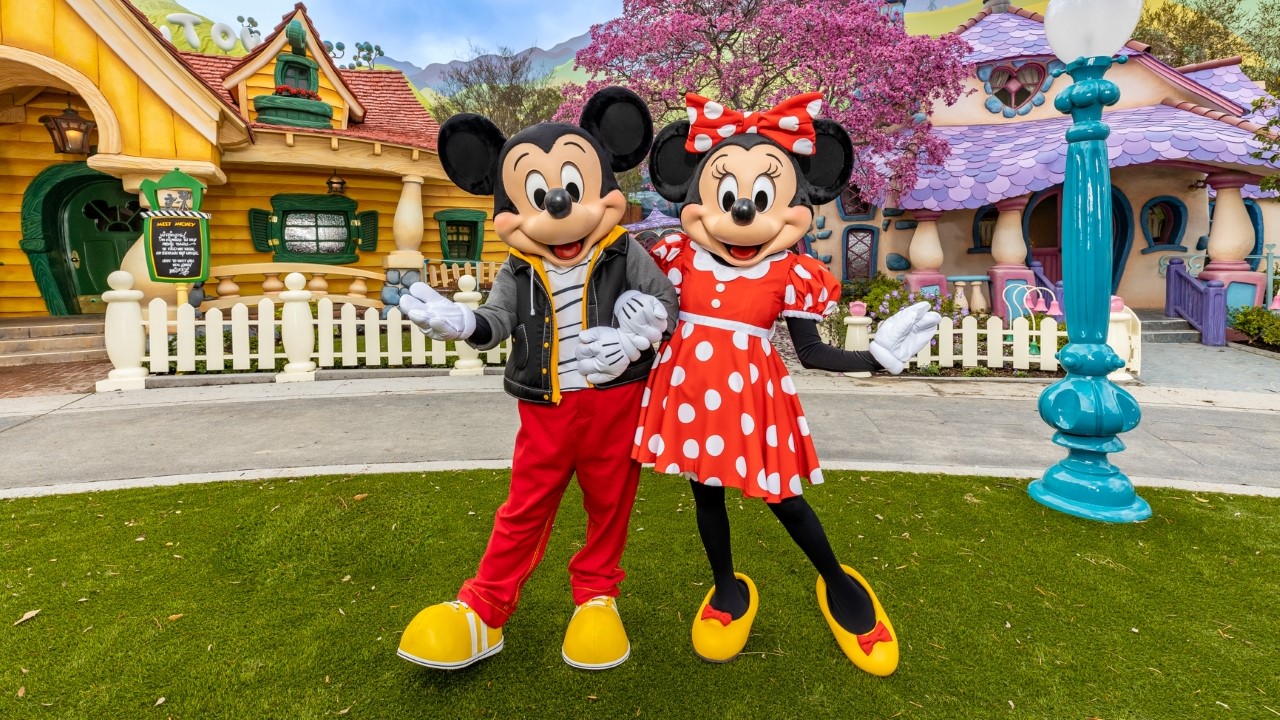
[469,147]
[671,167]
[829,168]
[619,120]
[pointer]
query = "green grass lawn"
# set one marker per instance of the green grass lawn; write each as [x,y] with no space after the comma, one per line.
[285,599]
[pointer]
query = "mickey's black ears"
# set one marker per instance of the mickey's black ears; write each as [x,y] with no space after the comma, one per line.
[469,146]
[619,120]
[829,168]
[671,167]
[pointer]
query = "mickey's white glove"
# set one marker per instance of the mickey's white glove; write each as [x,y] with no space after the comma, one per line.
[604,352]
[642,315]
[902,336]
[436,315]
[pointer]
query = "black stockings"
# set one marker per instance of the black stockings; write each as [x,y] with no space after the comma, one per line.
[849,602]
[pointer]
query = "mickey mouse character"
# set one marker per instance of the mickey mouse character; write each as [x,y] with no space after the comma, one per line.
[721,408]
[583,305]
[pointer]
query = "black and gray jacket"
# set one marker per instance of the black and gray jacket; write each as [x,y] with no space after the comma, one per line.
[519,307]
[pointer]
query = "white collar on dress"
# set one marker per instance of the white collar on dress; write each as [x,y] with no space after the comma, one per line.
[704,260]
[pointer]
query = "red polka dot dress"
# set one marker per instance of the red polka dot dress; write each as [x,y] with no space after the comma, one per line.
[719,405]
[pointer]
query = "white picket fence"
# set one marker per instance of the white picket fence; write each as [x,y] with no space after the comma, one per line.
[353,339]
[1021,346]
[308,335]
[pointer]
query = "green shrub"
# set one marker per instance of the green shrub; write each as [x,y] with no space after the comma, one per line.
[930,370]
[888,296]
[979,371]
[863,288]
[1256,322]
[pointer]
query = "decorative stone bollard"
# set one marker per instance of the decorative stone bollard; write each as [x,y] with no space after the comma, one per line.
[857,332]
[126,341]
[469,362]
[297,328]
[978,302]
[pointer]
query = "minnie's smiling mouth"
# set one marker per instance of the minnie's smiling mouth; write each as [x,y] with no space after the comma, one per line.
[744,252]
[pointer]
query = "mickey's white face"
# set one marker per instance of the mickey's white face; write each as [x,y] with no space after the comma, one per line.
[560,214]
[746,213]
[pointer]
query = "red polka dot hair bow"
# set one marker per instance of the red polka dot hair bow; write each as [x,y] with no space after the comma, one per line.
[790,124]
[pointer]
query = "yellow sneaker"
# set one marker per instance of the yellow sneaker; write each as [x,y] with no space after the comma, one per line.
[717,637]
[596,639]
[875,652]
[448,636]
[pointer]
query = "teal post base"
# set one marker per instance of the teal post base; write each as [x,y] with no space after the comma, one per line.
[1085,484]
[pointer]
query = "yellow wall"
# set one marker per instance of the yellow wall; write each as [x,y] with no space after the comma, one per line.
[148,126]
[25,151]
[230,242]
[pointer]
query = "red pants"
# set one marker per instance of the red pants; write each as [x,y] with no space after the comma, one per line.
[591,433]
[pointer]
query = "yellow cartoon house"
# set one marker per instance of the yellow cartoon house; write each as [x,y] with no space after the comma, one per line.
[304,163]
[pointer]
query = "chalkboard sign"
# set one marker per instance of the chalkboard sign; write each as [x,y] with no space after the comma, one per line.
[178,248]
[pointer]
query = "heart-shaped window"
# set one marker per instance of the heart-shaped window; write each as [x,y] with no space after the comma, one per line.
[1015,87]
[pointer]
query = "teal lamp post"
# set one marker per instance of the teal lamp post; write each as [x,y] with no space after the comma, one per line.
[1086,408]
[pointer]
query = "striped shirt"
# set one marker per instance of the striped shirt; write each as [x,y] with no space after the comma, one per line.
[567,286]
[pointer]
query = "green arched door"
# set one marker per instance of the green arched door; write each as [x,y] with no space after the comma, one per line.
[99,221]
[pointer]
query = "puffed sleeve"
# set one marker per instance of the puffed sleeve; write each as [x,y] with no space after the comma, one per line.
[672,253]
[812,291]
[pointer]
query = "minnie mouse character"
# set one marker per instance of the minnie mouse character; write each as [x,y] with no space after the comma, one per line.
[583,305]
[720,407]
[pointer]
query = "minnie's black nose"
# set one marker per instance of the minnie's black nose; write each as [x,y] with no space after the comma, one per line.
[559,203]
[743,211]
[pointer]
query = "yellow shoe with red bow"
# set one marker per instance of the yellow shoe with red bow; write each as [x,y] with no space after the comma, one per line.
[875,651]
[717,637]
[448,636]
[595,639]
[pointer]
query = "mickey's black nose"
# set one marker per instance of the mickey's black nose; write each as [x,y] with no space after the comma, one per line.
[743,211]
[559,203]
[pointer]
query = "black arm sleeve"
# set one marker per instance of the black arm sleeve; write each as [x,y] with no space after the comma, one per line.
[482,334]
[817,355]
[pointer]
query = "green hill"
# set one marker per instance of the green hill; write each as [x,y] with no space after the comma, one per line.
[157,10]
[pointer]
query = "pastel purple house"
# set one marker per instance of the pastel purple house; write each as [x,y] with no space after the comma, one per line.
[1185,183]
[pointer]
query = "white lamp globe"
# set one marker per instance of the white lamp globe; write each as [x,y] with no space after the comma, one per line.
[1090,28]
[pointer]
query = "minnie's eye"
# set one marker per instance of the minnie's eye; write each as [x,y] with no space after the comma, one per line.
[535,187]
[728,192]
[571,181]
[762,193]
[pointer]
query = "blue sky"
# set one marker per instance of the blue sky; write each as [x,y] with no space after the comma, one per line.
[427,31]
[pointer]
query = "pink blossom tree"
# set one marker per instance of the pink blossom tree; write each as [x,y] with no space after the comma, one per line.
[751,54]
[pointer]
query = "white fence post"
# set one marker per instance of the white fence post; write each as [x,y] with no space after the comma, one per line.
[297,329]
[1120,339]
[469,362]
[124,337]
[857,334]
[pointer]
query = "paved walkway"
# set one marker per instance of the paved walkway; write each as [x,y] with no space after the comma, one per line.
[51,379]
[1193,434]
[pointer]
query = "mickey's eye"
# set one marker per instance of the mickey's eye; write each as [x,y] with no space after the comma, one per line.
[727,192]
[535,187]
[571,181]
[762,193]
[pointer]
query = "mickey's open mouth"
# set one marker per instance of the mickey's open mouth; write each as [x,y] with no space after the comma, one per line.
[743,252]
[567,251]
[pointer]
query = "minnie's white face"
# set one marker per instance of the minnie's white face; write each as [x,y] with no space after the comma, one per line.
[746,213]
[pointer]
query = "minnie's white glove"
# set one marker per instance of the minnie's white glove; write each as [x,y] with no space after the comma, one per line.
[604,352]
[642,315]
[437,316]
[902,336]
